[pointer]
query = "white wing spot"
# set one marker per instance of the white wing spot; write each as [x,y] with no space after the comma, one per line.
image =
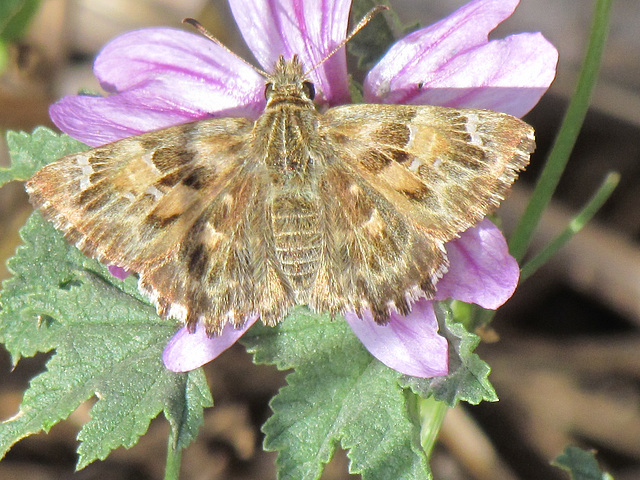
[87,170]
[415,164]
[412,134]
[147,158]
[212,237]
[82,160]
[178,311]
[354,190]
[157,194]
[375,225]
[471,126]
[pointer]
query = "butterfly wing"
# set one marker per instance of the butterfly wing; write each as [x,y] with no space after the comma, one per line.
[176,206]
[408,179]
[374,256]
[192,211]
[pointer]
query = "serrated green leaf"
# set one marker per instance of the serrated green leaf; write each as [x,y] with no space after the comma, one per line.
[468,375]
[107,338]
[30,152]
[338,394]
[15,16]
[580,464]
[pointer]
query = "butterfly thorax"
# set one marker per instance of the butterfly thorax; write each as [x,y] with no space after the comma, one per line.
[285,134]
[290,119]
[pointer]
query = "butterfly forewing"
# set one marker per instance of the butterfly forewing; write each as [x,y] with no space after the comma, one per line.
[443,169]
[132,201]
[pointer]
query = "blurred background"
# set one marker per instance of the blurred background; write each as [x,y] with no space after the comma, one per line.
[565,351]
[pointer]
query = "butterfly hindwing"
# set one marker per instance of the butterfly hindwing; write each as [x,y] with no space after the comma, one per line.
[225,269]
[374,256]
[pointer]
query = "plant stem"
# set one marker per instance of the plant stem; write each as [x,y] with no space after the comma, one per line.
[431,413]
[575,225]
[174,458]
[567,135]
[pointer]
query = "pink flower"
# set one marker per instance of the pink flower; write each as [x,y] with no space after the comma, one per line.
[161,77]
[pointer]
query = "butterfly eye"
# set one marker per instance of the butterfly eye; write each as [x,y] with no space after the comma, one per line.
[309,90]
[267,90]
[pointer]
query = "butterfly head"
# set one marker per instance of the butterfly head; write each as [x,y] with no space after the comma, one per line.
[289,82]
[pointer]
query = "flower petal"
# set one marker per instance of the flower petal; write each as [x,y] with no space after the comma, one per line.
[481,270]
[164,77]
[118,272]
[308,29]
[452,63]
[188,351]
[410,345]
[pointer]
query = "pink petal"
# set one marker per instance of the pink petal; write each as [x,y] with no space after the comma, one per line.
[188,351]
[481,270]
[100,120]
[452,63]
[118,272]
[308,28]
[165,77]
[410,345]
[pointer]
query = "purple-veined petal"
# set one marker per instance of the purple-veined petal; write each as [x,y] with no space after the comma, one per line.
[188,351]
[410,345]
[131,113]
[481,270]
[310,29]
[118,272]
[452,63]
[159,77]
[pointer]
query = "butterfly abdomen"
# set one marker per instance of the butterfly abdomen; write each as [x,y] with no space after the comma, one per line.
[297,238]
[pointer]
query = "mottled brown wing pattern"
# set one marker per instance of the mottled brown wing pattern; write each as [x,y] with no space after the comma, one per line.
[407,180]
[226,218]
[443,168]
[184,209]
[225,269]
[374,257]
[128,201]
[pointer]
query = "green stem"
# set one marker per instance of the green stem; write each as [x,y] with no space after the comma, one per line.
[482,316]
[575,225]
[174,457]
[567,135]
[431,413]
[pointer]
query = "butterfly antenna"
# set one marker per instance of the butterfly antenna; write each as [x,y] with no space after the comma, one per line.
[361,24]
[198,26]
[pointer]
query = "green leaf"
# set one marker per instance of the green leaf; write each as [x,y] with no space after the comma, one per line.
[32,152]
[580,464]
[338,394]
[107,338]
[15,16]
[468,374]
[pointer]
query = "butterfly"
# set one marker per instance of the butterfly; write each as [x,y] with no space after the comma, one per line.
[226,218]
